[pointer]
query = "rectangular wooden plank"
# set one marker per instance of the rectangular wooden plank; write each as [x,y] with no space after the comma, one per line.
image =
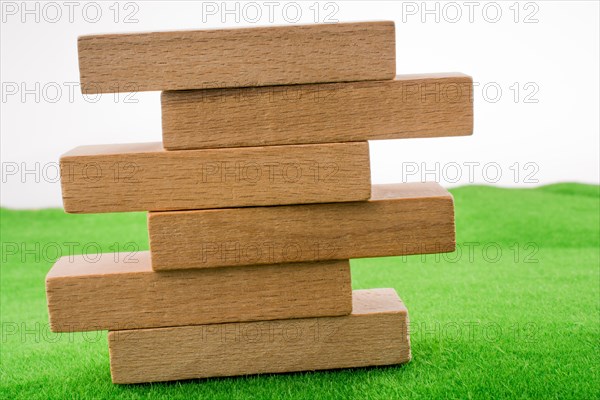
[120,291]
[200,59]
[144,176]
[376,333]
[411,218]
[410,106]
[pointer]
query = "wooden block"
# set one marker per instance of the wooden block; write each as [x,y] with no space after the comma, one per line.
[411,106]
[139,177]
[411,218]
[376,333]
[281,55]
[114,292]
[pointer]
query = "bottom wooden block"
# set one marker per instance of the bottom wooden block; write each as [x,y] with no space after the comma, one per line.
[376,333]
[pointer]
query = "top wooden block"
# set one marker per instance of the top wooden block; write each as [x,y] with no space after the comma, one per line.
[282,55]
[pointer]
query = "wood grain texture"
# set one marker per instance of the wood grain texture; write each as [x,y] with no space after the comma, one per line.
[376,333]
[144,176]
[116,292]
[411,106]
[399,219]
[281,55]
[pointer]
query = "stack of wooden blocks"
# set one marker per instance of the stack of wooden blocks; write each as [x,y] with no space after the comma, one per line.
[258,197]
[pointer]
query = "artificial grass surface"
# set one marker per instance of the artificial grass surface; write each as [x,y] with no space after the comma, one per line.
[513,313]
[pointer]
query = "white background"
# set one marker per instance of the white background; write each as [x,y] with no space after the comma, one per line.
[546,131]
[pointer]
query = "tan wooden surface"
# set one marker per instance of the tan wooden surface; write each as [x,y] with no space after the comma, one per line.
[376,333]
[281,55]
[144,176]
[120,291]
[411,106]
[411,218]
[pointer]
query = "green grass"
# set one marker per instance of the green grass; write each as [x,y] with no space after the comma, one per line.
[523,324]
